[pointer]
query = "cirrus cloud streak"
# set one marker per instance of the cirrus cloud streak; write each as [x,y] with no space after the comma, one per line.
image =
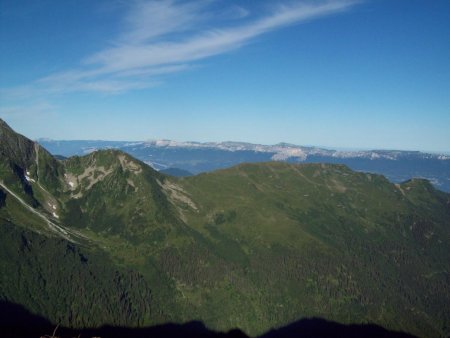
[168,36]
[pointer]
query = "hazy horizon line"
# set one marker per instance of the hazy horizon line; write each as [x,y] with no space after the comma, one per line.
[325,147]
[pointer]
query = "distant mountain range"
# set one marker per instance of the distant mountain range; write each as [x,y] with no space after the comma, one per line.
[196,157]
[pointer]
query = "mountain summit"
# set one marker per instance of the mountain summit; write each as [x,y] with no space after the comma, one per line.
[105,239]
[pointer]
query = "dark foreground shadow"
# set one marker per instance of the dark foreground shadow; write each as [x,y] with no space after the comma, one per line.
[321,328]
[16,321]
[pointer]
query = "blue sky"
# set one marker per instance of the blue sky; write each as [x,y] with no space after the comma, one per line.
[338,73]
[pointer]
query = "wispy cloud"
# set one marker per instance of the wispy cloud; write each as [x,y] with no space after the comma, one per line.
[149,20]
[169,36]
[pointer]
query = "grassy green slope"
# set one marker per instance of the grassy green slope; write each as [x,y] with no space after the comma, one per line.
[321,240]
[113,194]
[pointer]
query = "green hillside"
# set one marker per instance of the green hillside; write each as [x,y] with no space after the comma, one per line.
[105,239]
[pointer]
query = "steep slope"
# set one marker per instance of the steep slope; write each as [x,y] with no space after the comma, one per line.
[112,193]
[48,265]
[26,160]
[70,285]
[31,177]
[255,246]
